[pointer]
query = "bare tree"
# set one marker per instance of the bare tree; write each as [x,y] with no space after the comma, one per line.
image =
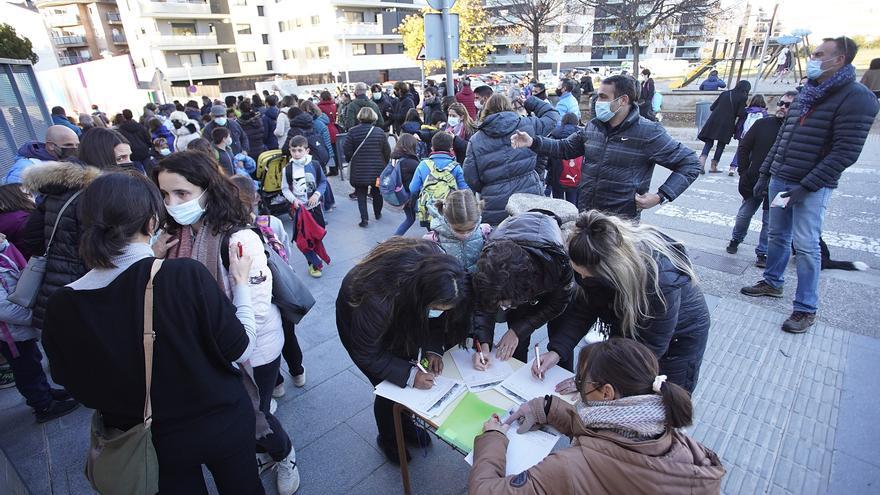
[532,16]
[636,20]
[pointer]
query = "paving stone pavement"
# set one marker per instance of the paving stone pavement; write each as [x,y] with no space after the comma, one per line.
[787,414]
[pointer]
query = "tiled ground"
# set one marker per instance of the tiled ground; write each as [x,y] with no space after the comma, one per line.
[787,414]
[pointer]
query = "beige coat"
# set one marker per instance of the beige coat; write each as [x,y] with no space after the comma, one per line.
[598,462]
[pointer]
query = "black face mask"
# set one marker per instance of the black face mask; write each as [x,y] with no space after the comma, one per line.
[177,124]
[65,153]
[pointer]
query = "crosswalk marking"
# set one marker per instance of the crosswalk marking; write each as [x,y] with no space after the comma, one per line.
[835,239]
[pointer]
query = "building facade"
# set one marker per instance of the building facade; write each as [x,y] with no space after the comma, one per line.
[83,30]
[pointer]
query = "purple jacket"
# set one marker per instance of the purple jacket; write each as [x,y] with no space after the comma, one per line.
[12,223]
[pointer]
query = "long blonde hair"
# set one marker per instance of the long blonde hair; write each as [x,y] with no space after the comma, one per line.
[466,120]
[626,255]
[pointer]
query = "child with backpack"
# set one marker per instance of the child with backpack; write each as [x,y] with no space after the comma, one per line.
[18,344]
[455,225]
[436,176]
[304,185]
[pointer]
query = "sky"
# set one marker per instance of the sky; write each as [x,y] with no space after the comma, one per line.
[827,18]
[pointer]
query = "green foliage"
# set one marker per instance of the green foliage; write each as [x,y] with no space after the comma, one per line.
[14,46]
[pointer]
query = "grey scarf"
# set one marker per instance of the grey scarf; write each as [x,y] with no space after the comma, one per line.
[639,417]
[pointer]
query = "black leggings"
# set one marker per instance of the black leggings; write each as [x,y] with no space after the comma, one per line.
[718,151]
[291,351]
[277,443]
[361,193]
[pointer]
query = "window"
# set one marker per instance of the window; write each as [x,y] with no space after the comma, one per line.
[183,29]
[380,49]
[353,16]
[288,54]
[260,11]
[323,52]
[269,65]
[265,39]
[248,57]
[358,49]
[316,19]
[243,28]
[193,59]
[282,26]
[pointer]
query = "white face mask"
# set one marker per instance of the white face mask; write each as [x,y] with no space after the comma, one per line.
[164,152]
[187,213]
[221,121]
[435,313]
[227,142]
[453,121]
[478,104]
[377,96]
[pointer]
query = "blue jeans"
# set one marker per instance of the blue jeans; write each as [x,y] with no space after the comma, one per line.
[744,217]
[410,211]
[797,225]
[315,261]
[30,380]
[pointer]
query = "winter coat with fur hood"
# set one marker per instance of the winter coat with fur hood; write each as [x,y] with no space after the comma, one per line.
[56,182]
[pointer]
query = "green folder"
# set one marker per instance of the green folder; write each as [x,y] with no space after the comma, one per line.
[466,421]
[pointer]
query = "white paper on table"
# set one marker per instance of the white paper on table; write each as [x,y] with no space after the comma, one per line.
[479,380]
[527,449]
[429,403]
[521,386]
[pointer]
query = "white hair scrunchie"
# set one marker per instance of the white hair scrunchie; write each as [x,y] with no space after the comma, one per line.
[658,382]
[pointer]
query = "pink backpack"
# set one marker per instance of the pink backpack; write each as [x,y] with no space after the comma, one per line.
[269,234]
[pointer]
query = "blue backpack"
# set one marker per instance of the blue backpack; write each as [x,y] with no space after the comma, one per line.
[391,186]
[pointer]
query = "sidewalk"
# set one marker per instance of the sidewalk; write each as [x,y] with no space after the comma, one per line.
[787,414]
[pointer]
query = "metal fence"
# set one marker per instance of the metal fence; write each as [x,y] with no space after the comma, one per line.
[23,113]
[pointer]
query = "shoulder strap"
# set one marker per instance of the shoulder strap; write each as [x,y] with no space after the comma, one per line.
[362,142]
[149,338]
[58,219]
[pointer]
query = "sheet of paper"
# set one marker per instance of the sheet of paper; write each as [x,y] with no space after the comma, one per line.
[521,386]
[525,450]
[429,403]
[479,380]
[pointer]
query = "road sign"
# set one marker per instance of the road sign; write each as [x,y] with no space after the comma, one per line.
[192,89]
[434,40]
[441,4]
[421,55]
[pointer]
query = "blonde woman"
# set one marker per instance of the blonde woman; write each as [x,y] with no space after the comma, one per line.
[638,284]
[459,121]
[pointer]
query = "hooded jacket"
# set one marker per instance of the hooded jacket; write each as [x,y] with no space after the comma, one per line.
[496,170]
[442,161]
[599,462]
[712,83]
[187,133]
[541,237]
[138,137]
[728,108]
[16,318]
[252,125]
[30,153]
[13,224]
[328,107]
[56,182]
[370,160]
[467,250]
[270,120]
[62,120]
[619,162]
[466,98]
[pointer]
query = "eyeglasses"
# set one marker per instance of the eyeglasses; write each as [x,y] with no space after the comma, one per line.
[783,104]
[579,383]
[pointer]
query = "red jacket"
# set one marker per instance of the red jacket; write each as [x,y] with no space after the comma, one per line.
[329,109]
[309,234]
[466,98]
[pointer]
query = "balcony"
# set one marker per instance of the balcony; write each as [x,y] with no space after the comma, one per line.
[354,29]
[119,39]
[63,20]
[114,17]
[205,71]
[187,41]
[69,40]
[191,10]
[76,59]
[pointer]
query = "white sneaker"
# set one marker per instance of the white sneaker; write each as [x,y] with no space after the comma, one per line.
[273,406]
[264,462]
[300,380]
[287,474]
[278,391]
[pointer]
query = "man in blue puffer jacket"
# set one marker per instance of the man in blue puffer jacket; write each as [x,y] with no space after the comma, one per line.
[822,135]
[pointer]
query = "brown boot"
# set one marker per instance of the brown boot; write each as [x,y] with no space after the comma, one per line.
[702,164]
[714,167]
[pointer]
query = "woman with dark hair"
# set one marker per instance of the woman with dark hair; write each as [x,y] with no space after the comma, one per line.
[412,123]
[495,169]
[639,284]
[626,434]
[756,111]
[406,157]
[405,298]
[251,122]
[15,208]
[523,277]
[94,339]
[107,148]
[721,125]
[206,218]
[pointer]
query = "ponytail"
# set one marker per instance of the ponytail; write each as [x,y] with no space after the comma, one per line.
[678,405]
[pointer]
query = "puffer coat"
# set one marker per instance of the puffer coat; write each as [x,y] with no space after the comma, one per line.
[370,160]
[56,182]
[252,125]
[815,148]
[496,170]
[619,162]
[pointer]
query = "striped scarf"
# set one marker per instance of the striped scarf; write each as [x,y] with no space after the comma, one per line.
[638,417]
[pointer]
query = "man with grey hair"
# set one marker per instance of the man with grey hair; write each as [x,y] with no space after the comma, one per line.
[360,101]
[62,144]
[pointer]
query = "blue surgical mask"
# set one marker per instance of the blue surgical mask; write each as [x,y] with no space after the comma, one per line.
[187,213]
[435,313]
[603,110]
[221,121]
[164,152]
[814,69]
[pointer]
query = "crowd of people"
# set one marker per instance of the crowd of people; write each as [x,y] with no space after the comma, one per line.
[161,240]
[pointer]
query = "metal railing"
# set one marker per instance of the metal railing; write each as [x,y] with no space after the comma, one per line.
[114,17]
[119,38]
[77,59]
[69,40]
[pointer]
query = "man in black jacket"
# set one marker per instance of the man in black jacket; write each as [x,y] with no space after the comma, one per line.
[752,150]
[620,149]
[822,135]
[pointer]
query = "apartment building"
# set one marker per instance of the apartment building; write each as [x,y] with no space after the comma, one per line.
[83,30]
